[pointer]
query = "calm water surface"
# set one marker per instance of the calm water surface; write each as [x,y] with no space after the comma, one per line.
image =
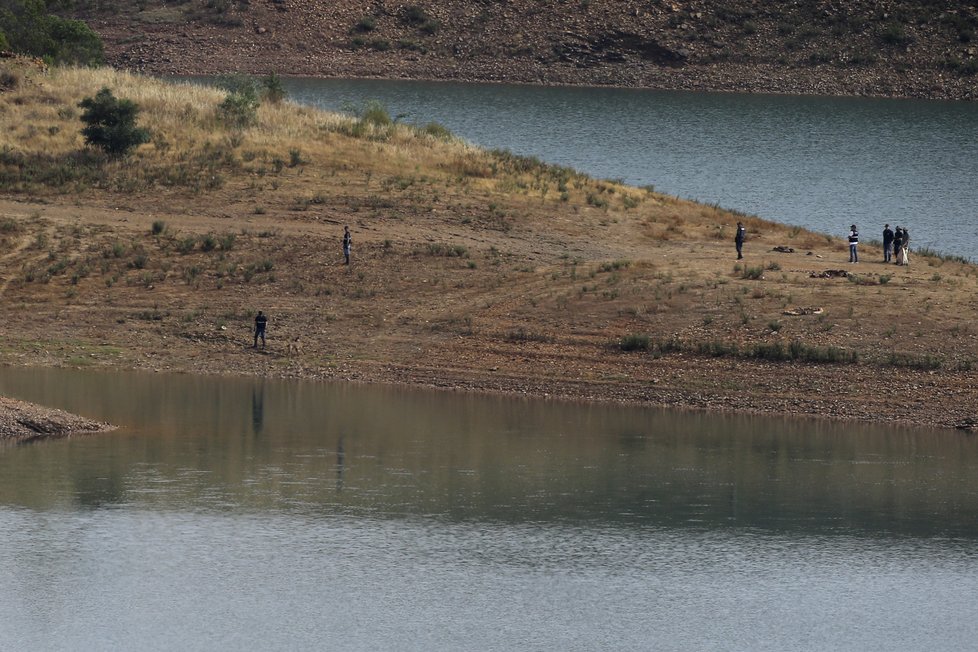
[822,163]
[251,514]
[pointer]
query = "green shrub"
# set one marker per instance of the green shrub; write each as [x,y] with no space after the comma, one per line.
[186,245]
[365,24]
[272,90]
[159,226]
[239,109]
[908,360]
[111,123]
[635,342]
[895,34]
[752,273]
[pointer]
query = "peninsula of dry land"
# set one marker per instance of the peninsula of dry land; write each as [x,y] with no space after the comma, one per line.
[471,270]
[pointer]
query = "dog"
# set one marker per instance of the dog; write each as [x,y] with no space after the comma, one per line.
[295,347]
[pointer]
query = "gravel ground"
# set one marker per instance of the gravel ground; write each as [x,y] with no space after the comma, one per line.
[21,421]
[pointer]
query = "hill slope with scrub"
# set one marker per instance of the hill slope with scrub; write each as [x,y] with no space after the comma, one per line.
[471,269]
[864,47]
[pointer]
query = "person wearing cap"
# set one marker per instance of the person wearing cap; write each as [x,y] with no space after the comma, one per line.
[887,243]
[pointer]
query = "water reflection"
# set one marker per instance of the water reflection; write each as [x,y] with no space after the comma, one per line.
[319,449]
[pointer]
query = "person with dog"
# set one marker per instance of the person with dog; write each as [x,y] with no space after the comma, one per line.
[739,239]
[887,243]
[261,321]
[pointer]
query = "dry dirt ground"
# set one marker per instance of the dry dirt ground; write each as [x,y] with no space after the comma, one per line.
[520,310]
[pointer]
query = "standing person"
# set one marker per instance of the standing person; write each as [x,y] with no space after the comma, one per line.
[906,247]
[898,245]
[853,243]
[347,244]
[260,322]
[739,239]
[887,243]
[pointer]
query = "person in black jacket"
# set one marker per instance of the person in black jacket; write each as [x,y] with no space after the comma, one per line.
[853,243]
[739,239]
[898,245]
[887,243]
[260,322]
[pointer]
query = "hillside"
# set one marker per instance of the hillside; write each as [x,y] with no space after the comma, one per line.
[864,47]
[471,269]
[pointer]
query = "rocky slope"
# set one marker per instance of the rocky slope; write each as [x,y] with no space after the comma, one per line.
[864,47]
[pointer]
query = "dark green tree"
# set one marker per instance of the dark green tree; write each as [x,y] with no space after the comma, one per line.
[111,123]
[28,28]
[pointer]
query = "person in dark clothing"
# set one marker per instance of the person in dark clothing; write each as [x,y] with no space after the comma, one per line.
[853,244]
[347,244]
[898,245]
[905,258]
[739,239]
[887,243]
[260,322]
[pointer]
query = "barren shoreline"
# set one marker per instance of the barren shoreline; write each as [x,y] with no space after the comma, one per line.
[472,271]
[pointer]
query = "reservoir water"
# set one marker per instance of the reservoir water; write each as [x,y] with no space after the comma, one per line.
[821,163]
[232,514]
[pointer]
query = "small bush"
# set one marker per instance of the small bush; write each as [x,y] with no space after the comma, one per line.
[365,24]
[635,342]
[239,109]
[449,251]
[111,123]
[272,90]
[159,227]
[925,362]
[521,335]
[895,34]
[186,245]
[752,273]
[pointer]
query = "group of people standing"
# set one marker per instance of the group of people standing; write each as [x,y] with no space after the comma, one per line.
[896,244]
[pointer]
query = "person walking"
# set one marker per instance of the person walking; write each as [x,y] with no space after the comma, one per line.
[739,239]
[347,244]
[853,244]
[887,243]
[260,322]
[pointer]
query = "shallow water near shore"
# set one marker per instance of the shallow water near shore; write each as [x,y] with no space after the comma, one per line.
[250,513]
[822,163]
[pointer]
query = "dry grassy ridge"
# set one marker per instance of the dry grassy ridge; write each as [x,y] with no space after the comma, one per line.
[471,269]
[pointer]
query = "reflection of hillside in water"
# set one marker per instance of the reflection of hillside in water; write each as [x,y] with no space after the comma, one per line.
[320,449]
